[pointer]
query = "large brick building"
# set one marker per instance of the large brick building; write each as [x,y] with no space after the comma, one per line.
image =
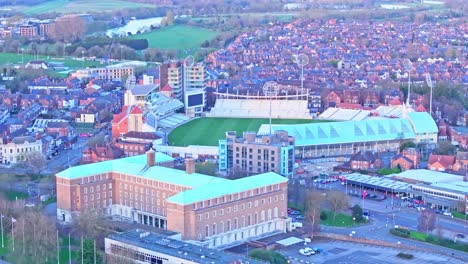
[207,210]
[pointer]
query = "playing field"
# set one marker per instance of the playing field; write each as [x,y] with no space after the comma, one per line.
[207,131]
[177,37]
[15,58]
[67,6]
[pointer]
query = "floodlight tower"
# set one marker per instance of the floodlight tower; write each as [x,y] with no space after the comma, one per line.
[270,89]
[431,85]
[302,60]
[408,65]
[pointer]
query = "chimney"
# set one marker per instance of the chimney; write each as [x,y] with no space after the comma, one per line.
[189,165]
[150,158]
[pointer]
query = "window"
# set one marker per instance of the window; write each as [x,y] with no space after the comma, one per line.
[199,217]
[221,212]
[207,215]
[214,229]
[214,213]
[207,230]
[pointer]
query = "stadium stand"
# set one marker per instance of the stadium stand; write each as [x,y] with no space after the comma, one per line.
[388,111]
[173,120]
[348,137]
[340,114]
[258,108]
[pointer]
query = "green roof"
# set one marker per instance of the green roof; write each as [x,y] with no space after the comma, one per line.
[226,187]
[423,122]
[108,166]
[203,187]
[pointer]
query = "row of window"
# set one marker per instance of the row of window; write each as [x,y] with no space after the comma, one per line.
[94,178]
[436,193]
[221,227]
[237,208]
[236,196]
[142,198]
[21,150]
[141,206]
[98,188]
[142,191]
[146,182]
[136,255]
[98,196]
[259,151]
[98,204]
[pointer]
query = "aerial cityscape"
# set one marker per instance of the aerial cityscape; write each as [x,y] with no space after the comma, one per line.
[235,131]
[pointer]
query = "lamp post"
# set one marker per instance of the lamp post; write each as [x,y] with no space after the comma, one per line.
[270,89]
[82,58]
[22,57]
[430,84]
[302,60]
[408,65]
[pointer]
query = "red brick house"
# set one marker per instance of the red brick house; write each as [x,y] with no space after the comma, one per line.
[440,162]
[100,153]
[62,128]
[351,97]
[365,161]
[461,163]
[407,159]
[333,100]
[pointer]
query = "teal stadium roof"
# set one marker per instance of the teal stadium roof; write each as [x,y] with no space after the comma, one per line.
[202,186]
[377,129]
[423,123]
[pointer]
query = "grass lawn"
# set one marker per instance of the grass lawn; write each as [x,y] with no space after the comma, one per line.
[12,195]
[178,37]
[431,239]
[340,220]
[418,236]
[15,58]
[66,6]
[460,215]
[64,255]
[207,131]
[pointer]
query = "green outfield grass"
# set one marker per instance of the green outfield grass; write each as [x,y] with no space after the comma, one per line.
[67,6]
[177,37]
[207,131]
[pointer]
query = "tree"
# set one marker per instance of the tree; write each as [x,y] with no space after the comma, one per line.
[357,213]
[406,145]
[88,253]
[91,224]
[337,200]
[269,256]
[169,18]
[312,208]
[427,221]
[68,29]
[96,140]
[445,148]
[34,162]
[35,238]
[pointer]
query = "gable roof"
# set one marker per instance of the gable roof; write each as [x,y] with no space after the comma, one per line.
[444,160]
[143,89]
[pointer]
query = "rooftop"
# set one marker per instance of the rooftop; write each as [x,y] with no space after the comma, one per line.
[457,186]
[428,176]
[423,122]
[381,182]
[162,244]
[201,187]
[224,187]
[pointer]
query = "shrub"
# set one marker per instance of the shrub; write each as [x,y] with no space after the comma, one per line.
[269,256]
[430,239]
[400,232]
[405,256]
[323,216]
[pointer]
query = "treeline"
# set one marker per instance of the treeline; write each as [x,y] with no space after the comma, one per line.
[21,2]
[136,44]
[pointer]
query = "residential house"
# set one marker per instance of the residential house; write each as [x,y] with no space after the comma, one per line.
[62,128]
[100,153]
[440,162]
[351,97]
[365,161]
[443,134]
[461,162]
[408,159]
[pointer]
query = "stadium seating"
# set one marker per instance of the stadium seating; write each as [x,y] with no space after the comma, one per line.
[258,108]
[173,120]
[340,114]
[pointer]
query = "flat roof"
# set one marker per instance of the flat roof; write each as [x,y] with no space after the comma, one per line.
[454,186]
[220,188]
[428,176]
[180,249]
[377,181]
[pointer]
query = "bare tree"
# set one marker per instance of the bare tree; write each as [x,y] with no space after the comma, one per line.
[34,162]
[312,208]
[91,224]
[427,221]
[337,201]
[34,238]
[68,29]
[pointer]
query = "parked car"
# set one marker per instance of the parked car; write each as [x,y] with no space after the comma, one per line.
[300,217]
[446,213]
[306,251]
[460,235]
